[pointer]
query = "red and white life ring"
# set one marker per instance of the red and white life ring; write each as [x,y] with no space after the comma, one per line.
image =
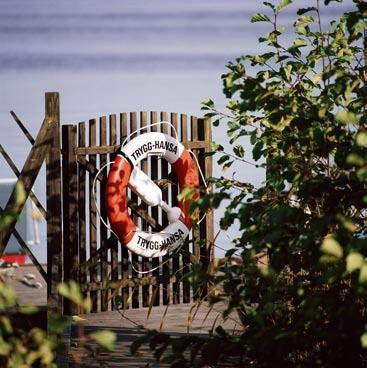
[125,173]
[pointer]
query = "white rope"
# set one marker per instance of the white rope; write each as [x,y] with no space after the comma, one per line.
[110,163]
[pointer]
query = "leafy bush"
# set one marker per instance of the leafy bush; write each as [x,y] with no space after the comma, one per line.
[304,109]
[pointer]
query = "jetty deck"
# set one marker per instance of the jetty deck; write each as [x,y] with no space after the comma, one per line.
[174,319]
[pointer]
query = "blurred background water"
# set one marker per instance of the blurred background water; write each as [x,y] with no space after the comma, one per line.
[122,55]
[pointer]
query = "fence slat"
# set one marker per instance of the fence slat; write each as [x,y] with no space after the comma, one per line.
[195,229]
[154,176]
[92,216]
[103,230]
[145,261]
[134,258]
[166,269]
[113,240]
[186,246]
[176,257]
[81,207]
[124,251]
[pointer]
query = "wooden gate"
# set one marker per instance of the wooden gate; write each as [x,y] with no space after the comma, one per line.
[79,246]
[92,255]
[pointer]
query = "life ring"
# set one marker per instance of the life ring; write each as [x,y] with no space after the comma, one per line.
[125,173]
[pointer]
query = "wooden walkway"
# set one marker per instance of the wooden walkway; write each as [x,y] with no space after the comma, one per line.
[175,319]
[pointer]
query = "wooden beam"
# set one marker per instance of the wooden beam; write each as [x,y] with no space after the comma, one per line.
[28,176]
[22,127]
[17,173]
[53,194]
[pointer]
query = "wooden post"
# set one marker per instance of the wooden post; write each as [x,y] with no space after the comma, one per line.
[70,210]
[53,193]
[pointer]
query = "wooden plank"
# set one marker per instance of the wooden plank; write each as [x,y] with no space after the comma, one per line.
[15,170]
[134,258]
[176,257]
[154,176]
[113,241]
[82,206]
[92,216]
[145,262]
[206,242]
[113,148]
[166,267]
[103,230]
[196,229]
[124,251]
[28,175]
[22,126]
[53,205]
[186,246]
[70,210]
[134,282]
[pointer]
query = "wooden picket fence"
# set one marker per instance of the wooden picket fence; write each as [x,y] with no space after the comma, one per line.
[79,246]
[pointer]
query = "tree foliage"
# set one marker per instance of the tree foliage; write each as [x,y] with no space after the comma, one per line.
[303,106]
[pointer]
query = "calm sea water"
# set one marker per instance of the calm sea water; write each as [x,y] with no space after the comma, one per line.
[110,56]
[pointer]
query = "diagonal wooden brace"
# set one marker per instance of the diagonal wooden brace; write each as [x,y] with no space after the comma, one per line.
[28,175]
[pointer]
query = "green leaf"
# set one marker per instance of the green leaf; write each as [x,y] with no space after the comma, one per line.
[270,5]
[354,261]
[105,339]
[362,174]
[299,42]
[306,10]
[363,274]
[283,4]
[208,102]
[260,17]
[364,340]
[331,247]
[223,159]
[362,139]
[345,117]
[239,151]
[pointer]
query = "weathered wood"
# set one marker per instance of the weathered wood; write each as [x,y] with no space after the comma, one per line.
[113,148]
[134,282]
[154,176]
[124,252]
[81,207]
[145,261]
[186,246]
[196,229]
[209,221]
[204,240]
[54,205]
[15,170]
[102,228]
[166,261]
[113,241]
[70,210]
[28,176]
[92,215]
[176,257]
[22,126]
[134,258]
